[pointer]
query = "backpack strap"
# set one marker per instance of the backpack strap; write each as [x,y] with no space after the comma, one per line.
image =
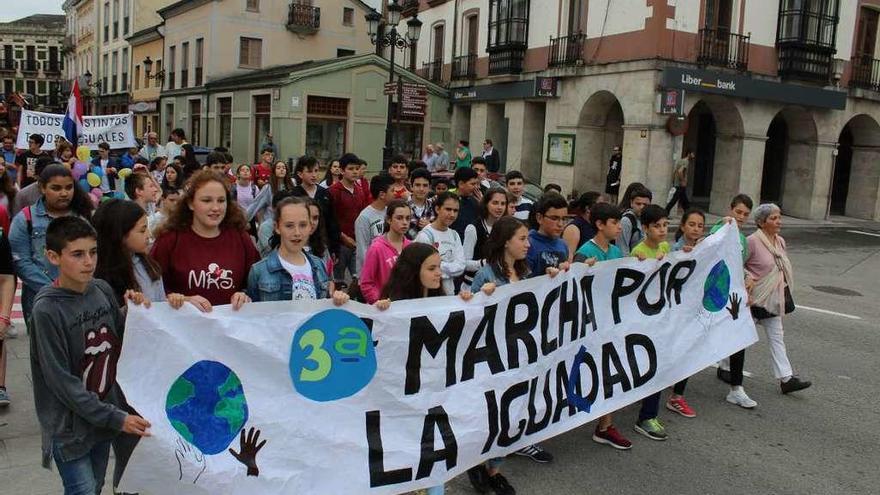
[635,228]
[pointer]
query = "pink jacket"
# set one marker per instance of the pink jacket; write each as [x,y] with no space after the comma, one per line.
[378,263]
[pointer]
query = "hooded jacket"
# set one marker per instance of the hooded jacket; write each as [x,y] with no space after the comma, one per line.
[379,261]
[75,343]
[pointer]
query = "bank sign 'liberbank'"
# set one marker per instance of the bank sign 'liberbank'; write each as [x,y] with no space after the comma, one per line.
[704,81]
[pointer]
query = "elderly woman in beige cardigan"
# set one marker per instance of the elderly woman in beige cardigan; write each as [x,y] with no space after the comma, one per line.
[770,271]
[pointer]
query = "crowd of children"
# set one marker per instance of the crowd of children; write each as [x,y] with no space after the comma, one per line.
[219,234]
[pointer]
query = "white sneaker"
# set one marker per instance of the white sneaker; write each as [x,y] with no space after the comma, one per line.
[11,332]
[738,396]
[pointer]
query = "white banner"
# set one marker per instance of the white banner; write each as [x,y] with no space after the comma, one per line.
[354,400]
[115,130]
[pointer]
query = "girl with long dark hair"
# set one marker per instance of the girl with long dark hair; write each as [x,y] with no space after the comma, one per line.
[124,261]
[415,275]
[190,164]
[318,238]
[172,178]
[334,174]
[27,235]
[281,180]
[492,208]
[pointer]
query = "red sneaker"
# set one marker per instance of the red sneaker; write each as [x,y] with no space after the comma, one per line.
[680,406]
[612,437]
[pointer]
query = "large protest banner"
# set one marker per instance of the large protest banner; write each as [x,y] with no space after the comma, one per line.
[354,400]
[115,130]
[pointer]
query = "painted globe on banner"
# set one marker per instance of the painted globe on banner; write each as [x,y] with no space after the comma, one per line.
[716,288]
[207,406]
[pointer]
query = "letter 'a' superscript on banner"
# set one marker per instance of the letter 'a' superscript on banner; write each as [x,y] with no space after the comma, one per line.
[354,400]
[115,130]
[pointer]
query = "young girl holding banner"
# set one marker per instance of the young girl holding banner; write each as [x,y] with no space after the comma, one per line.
[289,272]
[506,249]
[416,275]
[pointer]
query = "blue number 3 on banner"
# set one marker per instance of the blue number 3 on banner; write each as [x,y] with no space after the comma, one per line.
[332,356]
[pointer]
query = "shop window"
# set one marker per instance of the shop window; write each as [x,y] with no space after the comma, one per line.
[225,121]
[326,125]
[195,122]
[262,109]
[322,105]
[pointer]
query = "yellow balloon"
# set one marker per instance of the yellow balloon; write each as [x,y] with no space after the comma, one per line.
[83,153]
[124,173]
[93,179]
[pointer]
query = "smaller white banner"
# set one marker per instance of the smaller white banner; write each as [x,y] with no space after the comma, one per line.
[115,130]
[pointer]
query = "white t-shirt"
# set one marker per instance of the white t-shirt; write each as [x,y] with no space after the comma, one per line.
[303,286]
[173,149]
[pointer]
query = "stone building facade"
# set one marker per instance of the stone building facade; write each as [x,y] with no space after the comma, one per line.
[778,99]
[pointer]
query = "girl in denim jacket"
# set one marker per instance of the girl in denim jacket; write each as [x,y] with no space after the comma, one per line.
[289,272]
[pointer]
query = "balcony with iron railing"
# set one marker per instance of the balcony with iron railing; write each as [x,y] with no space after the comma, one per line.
[567,50]
[508,50]
[464,67]
[865,73]
[506,60]
[7,64]
[433,70]
[30,66]
[721,48]
[303,18]
[806,44]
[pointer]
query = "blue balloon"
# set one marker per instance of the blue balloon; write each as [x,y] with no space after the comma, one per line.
[332,356]
[98,171]
[716,288]
[84,185]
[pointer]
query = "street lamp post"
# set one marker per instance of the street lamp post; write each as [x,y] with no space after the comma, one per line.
[395,41]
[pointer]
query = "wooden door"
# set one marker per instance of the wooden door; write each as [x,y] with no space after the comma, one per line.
[473,27]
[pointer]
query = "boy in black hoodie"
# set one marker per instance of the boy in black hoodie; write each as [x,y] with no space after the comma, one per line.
[75,343]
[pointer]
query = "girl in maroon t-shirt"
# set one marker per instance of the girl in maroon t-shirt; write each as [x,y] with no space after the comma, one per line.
[203,248]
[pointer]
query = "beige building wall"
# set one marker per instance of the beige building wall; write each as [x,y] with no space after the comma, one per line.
[81,26]
[145,92]
[223,23]
[114,24]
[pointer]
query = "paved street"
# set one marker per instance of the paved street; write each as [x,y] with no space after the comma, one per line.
[821,441]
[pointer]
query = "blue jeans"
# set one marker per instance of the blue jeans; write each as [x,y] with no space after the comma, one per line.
[84,476]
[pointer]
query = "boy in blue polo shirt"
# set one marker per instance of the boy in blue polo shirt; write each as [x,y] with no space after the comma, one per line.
[606,220]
